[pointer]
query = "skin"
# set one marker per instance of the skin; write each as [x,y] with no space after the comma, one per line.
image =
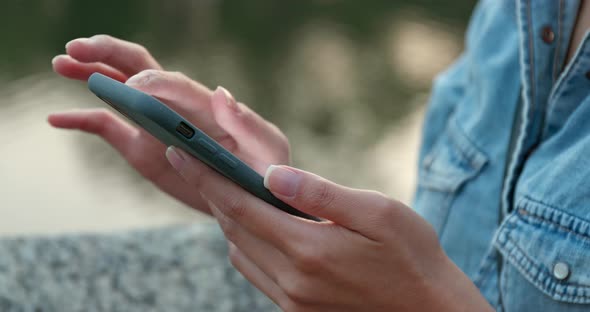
[581,27]
[371,253]
[239,129]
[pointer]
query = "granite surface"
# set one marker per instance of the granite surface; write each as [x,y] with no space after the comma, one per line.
[176,268]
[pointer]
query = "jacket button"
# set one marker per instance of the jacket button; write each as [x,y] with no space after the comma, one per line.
[547,34]
[561,271]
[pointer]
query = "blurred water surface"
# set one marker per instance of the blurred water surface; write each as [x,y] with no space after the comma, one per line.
[345,80]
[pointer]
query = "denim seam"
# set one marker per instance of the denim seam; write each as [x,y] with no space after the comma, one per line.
[527,218]
[484,269]
[527,106]
[557,54]
[543,275]
[447,206]
[531,56]
[467,150]
[482,280]
[502,280]
[524,264]
[533,204]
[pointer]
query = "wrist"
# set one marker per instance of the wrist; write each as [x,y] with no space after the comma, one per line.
[449,289]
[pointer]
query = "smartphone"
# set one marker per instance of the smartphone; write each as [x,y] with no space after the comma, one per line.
[172,129]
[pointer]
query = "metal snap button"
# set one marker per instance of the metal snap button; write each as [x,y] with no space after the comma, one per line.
[561,271]
[547,34]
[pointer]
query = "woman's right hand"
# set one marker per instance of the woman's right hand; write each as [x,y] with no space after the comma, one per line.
[250,137]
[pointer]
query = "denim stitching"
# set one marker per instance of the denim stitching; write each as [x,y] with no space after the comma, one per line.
[557,54]
[468,148]
[542,280]
[527,201]
[502,280]
[527,107]
[448,202]
[542,274]
[554,225]
[531,57]
[484,269]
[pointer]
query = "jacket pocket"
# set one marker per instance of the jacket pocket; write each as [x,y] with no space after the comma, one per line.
[546,254]
[452,162]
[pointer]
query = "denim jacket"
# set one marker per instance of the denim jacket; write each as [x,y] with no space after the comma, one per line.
[504,168]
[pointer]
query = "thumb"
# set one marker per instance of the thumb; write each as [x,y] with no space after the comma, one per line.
[352,208]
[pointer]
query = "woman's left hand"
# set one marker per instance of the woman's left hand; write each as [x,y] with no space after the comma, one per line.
[371,254]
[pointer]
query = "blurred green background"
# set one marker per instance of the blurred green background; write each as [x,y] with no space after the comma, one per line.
[346,81]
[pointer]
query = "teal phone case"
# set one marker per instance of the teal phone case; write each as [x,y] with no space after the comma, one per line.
[172,129]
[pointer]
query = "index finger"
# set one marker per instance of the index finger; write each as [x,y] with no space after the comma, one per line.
[266,222]
[128,57]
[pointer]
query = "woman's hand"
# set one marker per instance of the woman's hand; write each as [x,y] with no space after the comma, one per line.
[372,253]
[234,125]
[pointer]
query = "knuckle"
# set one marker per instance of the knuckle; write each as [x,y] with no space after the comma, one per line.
[319,196]
[234,206]
[193,177]
[297,288]
[227,141]
[141,50]
[283,140]
[184,80]
[110,46]
[383,205]
[381,200]
[140,162]
[308,259]
[180,75]
[97,123]
[142,56]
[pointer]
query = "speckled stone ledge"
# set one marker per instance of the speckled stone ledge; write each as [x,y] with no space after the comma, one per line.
[176,268]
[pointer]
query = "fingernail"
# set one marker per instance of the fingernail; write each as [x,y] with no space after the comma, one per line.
[175,158]
[144,78]
[54,59]
[282,180]
[134,80]
[137,80]
[229,99]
